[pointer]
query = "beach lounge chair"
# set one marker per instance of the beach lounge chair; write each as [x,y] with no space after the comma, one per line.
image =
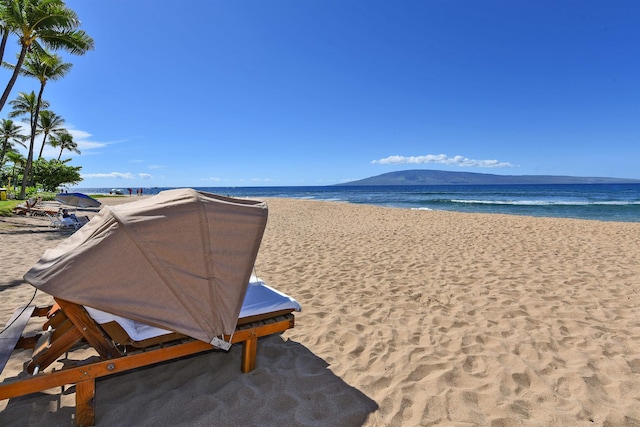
[123,344]
[79,220]
[180,261]
[35,207]
[26,207]
[72,221]
[61,223]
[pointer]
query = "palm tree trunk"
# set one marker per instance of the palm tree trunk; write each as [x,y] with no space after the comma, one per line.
[5,147]
[14,77]
[28,167]
[25,173]
[3,43]
[44,142]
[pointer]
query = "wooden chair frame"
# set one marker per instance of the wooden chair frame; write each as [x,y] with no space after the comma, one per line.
[70,324]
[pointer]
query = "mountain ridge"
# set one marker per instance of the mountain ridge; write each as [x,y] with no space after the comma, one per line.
[439,177]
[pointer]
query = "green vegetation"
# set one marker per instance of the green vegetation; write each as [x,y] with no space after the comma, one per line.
[6,207]
[40,27]
[51,174]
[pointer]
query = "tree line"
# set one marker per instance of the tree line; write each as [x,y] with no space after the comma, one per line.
[40,27]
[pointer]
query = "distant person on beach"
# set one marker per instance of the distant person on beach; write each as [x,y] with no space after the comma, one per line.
[130,190]
[66,214]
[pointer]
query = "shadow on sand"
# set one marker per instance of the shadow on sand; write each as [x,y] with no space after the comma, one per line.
[290,386]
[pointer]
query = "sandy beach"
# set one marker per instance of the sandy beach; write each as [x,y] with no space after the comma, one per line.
[410,318]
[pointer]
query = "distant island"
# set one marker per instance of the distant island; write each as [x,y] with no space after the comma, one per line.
[436,177]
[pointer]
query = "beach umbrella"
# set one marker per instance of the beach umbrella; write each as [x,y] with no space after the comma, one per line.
[78,199]
[179,260]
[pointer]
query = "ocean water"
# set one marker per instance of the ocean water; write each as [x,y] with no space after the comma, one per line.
[604,202]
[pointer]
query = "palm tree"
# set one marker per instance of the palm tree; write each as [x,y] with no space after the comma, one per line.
[25,106]
[44,67]
[28,104]
[9,134]
[48,122]
[18,161]
[39,24]
[64,140]
[4,5]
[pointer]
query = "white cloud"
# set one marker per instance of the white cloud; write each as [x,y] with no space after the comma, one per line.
[442,159]
[118,175]
[155,167]
[83,139]
[80,137]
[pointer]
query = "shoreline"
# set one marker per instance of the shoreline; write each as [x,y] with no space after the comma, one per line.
[603,202]
[409,318]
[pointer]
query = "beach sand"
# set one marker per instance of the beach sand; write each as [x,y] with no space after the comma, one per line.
[409,318]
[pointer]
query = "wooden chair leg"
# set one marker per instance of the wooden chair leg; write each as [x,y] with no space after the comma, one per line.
[85,402]
[89,329]
[249,351]
[49,351]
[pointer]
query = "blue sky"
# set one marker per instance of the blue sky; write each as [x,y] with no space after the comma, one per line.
[318,92]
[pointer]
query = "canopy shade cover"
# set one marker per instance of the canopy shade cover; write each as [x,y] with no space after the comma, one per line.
[180,260]
[78,199]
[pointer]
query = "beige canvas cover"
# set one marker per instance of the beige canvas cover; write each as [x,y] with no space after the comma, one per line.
[180,260]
